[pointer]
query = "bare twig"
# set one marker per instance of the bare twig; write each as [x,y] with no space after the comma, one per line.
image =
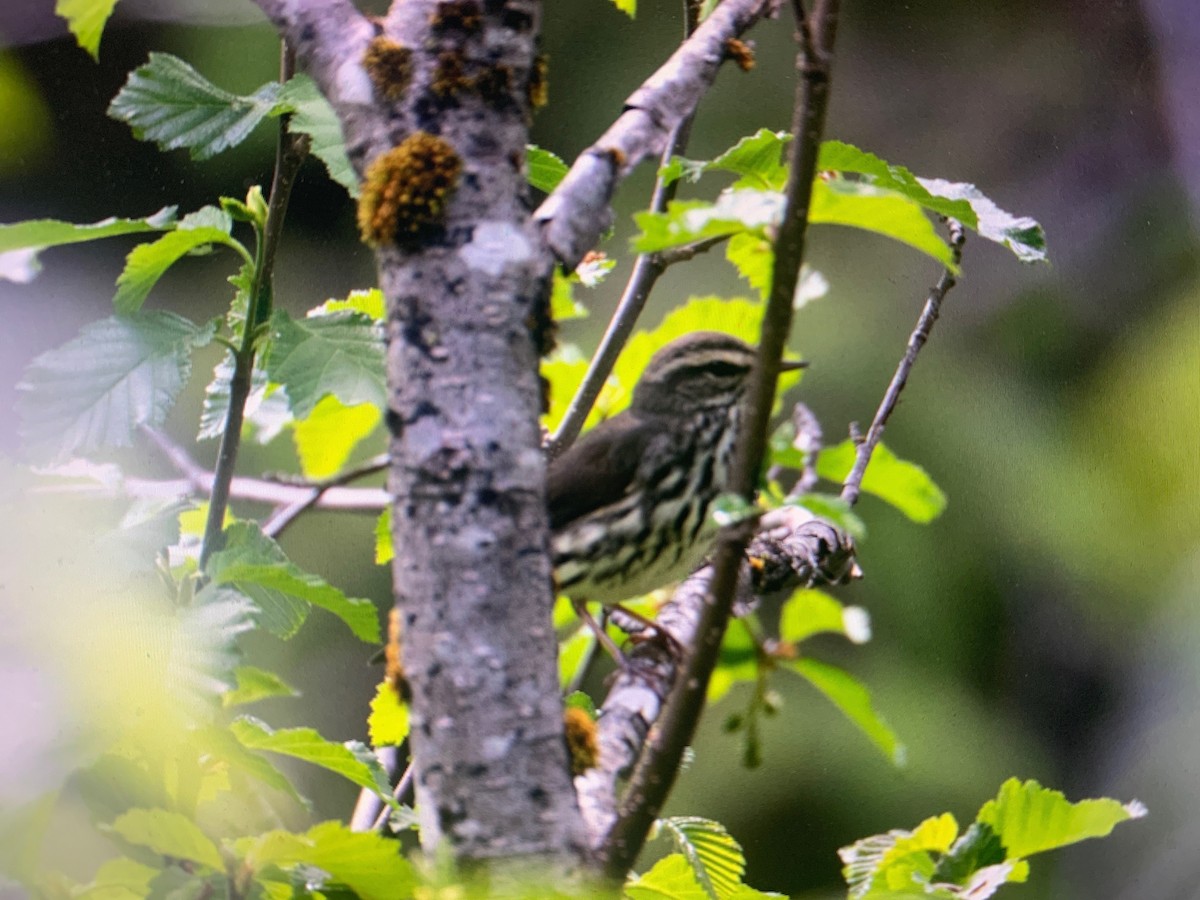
[658,765]
[290,152]
[929,314]
[284,517]
[400,792]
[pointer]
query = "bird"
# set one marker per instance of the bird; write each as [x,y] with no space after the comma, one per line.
[629,501]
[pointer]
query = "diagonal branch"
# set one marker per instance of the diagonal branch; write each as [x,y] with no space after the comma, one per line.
[573,217]
[916,341]
[659,762]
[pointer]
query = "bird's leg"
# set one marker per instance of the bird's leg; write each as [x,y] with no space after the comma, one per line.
[657,632]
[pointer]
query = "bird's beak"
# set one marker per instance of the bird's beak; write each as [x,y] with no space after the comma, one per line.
[791,365]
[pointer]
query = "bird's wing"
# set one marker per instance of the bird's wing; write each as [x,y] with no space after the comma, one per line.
[598,469]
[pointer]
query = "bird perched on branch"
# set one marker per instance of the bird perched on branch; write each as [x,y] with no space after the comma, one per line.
[629,502]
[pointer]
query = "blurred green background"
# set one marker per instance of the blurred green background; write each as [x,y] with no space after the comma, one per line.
[1046,626]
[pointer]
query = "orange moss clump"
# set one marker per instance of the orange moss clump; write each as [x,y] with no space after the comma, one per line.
[539,82]
[741,53]
[394,672]
[463,15]
[405,190]
[389,64]
[582,744]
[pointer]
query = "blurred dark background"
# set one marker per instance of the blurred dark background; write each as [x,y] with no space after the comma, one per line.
[1046,626]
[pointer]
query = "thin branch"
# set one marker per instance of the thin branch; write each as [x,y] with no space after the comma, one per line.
[658,765]
[929,315]
[401,791]
[284,517]
[577,212]
[290,152]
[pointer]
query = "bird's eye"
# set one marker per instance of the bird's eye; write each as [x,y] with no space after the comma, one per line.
[723,369]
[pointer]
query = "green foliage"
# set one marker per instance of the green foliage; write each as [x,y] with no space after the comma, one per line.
[86,19]
[715,858]
[388,721]
[21,242]
[257,567]
[543,168]
[95,390]
[168,834]
[934,861]
[673,878]
[904,485]
[253,684]
[850,696]
[311,114]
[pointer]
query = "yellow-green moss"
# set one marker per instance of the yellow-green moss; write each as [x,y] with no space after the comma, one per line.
[389,63]
[405,190]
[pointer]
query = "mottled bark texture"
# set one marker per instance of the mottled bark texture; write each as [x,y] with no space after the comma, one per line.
[465,287]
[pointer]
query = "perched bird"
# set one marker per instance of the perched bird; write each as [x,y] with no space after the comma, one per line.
[629,502]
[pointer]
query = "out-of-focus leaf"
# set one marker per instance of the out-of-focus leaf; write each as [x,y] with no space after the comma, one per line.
[256,566]
[86,19]
[1029,818]
[563,305]
[339,354]
[366,863]
[671,878]
[388,722]
[369,302]
[904,485]
[253,683]
[312,115]
[687,221]
[147,263]
[384,551]
[118,879]
[266,411]
[543,169]
[715,857]
[169,834]
[629,7]
[352,760]
[836,510]
[96,389]
[849,695]
[21,242]
[809,612]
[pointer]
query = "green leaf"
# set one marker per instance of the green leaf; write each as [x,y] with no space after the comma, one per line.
[388,722]
[219,743]
[841,157]
[339,354]
[1022,235]
[369,302]
[21,242]
[86,19]
[311,114]
[352,760]
[580,700]
[266,412]
[564,371]
[96,389]
[368,864]
[147,263]
[977,848]
[169,834]
[716,859]
[836,510]
[543,169]
[757,160]
[808,612]
[563,305]
[752,256]
[857,204]
[1029,818]
[849,695]
[384,550]
[257,567]
[170,103]
[904,485]
[737,662]
[629,7]
[254,684]
[687,221]
[671,878]
[118,879]
[899,862]
[326,438]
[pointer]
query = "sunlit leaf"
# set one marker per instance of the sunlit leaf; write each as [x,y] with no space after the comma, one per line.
[687,221]
[904,485]
[1020,234]
[388,722]
[266,412]
[849,695]
[811,611]
[168,834]
[757,160]
[671,878]
[543,169]
[715,857]
[95,390]
[118,879]
[1029,818]
[369,302]
[384,551]
[328,435]
[86,19]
